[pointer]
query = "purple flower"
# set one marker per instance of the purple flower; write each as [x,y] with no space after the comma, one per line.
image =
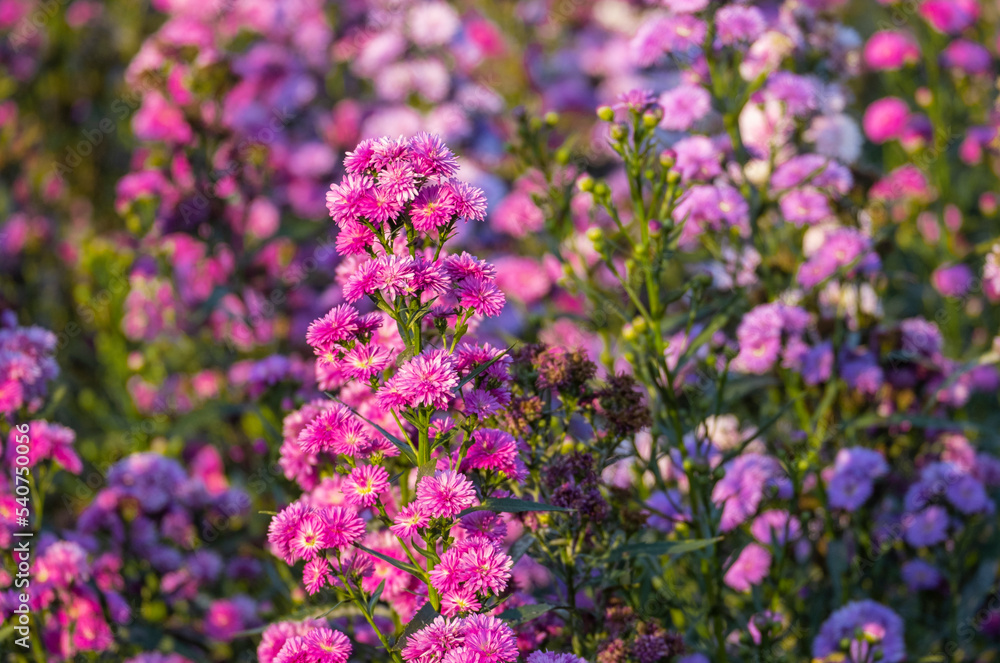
[918,575]
[851,481]
[967,56]
[817,365]
[926,528]
[952,280]
[882,627]
[744,486]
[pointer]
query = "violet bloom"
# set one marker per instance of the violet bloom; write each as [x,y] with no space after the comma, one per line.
[967,56]
[926,528]
[748,480]
[918,575]
[851,481]
[882,628]
[952,280]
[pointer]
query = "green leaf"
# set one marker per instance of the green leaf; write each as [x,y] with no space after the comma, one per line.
[511,505]
[474,373]
[525,613]
[977,589]
[403,447]
[424,616]
[376,595]
[521,546]
[658,548]
[402,566]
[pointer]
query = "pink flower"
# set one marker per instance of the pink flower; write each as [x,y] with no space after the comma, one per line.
[432,209]
[428,379]
[339,325]
[445,494]
[481,295]
[888,51]
[316,574]
[489,639]
[683,106]
[324,645]
[432,642]
[750,568]
[950,16]
[365,484]
[409,522]
[491,450]
[459,601]
[885,119]
[431,157]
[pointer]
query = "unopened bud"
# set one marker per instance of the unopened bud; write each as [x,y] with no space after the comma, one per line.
[606,113]
[585,183]
[619,132]
[551,118]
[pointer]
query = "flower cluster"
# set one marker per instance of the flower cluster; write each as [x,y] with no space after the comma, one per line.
[26,365]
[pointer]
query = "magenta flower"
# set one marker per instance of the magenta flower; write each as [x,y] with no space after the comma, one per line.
[884,119]
[365,485]
[445,494]
[889,51]
[950,16]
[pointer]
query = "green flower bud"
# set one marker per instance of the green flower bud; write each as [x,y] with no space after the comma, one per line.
[585,183]
[606,113]
[601,189]
[551,118]
[619,132]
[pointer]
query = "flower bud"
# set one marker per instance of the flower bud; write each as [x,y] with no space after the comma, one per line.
[606,113]
[639,325]
[668,158]
[619,131]
[551,118]
[562,156]
[601,189]
[585,183]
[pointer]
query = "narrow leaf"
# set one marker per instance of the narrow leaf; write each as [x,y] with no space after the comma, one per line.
[658,548]
[511,505]
[376,595]
[525,613]
[424,616]
[402,566]
[521,546]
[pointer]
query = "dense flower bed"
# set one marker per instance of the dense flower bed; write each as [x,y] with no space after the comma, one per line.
[434,331]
